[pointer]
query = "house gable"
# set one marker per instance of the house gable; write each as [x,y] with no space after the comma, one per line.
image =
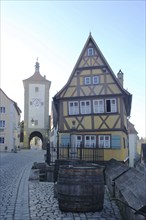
[92,76]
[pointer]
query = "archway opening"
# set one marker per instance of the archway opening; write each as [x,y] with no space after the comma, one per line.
[36,140]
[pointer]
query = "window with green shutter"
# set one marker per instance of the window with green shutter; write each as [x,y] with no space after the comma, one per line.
[116,141]
[65,140]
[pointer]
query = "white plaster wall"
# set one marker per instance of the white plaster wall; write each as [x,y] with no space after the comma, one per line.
[37,113]
[132,149]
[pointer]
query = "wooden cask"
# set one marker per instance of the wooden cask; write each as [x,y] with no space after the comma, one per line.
[80,188]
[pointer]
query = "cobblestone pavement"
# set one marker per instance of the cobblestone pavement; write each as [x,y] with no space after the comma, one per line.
[14,174]
[43,206]
[21,199]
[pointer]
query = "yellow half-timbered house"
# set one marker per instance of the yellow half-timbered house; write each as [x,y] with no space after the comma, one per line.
[92,109]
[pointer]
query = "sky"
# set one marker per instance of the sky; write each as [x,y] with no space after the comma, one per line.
[56,32]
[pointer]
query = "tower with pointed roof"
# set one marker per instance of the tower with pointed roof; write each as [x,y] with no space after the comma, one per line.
[36,107]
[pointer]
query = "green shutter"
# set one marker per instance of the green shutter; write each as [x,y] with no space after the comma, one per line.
[65,140]
[116,142]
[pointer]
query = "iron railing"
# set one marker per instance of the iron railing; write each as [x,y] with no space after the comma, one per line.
[93,154]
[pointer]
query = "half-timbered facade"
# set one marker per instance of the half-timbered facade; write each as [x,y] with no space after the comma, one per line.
[91,110]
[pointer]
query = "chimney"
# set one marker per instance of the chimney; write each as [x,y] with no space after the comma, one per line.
[120,77]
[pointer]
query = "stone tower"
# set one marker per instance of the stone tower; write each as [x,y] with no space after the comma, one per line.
[36,108]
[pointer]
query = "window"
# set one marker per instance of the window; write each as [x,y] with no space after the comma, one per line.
[78,140]
[2,140]
[90,141]
[65,140]
[98,106]
[90,51]
[111,105]
[36,89]
[73,108]
[116,141]
[87,80]
[104,141]
[85,107]
[2,109]
[2,124]
[95,80]
[36,122]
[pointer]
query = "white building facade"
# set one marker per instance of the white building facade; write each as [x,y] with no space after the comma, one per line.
[133,138]
[10,115]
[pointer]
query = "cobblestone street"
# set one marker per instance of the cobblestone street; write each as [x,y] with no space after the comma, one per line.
[21,199]
[14,174]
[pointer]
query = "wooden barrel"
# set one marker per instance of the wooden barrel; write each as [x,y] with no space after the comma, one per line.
[80,188]
[61,162]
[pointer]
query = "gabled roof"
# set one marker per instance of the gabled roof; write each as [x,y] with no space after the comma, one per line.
[90,39]
[131,128]
[128,98]
[15,104]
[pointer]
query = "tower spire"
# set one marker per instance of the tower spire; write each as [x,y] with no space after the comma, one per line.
[37,66]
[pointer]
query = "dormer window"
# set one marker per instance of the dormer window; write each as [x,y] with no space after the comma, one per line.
[90,51]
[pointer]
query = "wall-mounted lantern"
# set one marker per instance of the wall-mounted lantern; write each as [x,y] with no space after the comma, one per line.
[32,122]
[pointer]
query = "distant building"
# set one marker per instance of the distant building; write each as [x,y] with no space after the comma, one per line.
[133,138]
[143,155]
[92,109]
[36,108]
[10,115]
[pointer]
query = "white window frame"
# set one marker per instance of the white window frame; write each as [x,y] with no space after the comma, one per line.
[85,109]
[2,124]
[95,80]
[2,109]
[98,106]
[87,80]
[78,140]
[104,141]
[74,110]
[113,106]
[91,142]
[90,51]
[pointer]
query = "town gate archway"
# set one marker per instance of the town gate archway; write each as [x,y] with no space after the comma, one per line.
[36,140]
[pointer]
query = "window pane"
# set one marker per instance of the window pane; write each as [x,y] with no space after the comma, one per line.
[73,108]
[87,80]
[104,141]
[95,79]
[90,51]
[98,106]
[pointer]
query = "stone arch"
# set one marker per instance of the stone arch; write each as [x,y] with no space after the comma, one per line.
[36,134]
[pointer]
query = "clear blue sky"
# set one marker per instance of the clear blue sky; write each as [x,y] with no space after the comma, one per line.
[56,31]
